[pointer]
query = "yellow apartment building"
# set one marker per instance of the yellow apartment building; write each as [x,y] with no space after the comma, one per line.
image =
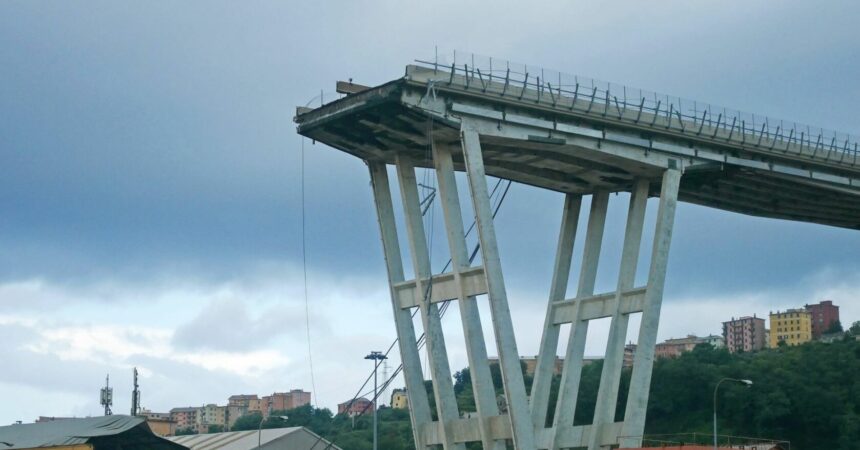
[399,399]
[793,326]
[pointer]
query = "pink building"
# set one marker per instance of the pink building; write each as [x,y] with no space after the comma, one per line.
[745,334]
[185,418]
[672,348]
[360,405]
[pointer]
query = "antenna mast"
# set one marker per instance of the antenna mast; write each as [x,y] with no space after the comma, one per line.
[106,397]
[135,396]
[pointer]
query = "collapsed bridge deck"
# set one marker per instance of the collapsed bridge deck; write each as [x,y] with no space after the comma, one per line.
[576,142]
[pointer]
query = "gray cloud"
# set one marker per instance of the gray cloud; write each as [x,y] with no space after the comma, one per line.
[227,325]
[150,147]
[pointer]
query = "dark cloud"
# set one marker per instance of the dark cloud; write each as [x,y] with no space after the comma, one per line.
[140,137]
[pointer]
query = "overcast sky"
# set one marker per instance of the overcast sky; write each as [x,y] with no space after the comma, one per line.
[150,183]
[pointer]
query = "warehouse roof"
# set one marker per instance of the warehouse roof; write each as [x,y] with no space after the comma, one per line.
[107,431]
[293,438]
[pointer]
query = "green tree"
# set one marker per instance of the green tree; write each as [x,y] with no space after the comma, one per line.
[835,327]
[806,394]
[250,421]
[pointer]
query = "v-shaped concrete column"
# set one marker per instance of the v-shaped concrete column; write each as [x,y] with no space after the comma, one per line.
[509,359]
[443,388]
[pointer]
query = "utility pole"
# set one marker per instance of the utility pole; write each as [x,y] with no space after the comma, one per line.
[106,397]
[135,396]
[376,357]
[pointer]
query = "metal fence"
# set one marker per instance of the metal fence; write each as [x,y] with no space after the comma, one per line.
[628,104]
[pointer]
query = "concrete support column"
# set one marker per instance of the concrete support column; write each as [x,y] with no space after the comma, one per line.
[443,387]
[476,349]
[509,358]
[640,381]
[610,377]
[558,288]
[419,409]
[571,373]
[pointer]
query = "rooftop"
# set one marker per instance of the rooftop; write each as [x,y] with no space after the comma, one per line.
[293,438]
[104,432]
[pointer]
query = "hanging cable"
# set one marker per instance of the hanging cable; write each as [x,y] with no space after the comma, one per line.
[305,280]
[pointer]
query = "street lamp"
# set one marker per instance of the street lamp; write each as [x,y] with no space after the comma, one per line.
[376,357]
[260,430]
[748,383]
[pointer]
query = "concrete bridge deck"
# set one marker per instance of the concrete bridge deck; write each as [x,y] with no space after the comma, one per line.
[579,141]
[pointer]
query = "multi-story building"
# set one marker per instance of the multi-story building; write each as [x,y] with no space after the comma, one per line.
[281,401]
[160,423]
[154,415]
[237,406]
[793,326]
[241,399]
[672,348]
[399,399]
[824,315]
[629,355]
[259,406]
[185,417]
[744,334]
[211,415]
[353,408]
[715,341]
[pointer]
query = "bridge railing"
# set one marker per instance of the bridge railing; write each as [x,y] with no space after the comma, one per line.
[628,104]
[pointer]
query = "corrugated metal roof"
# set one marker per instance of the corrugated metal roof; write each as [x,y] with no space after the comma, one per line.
[134,431]
[293,438]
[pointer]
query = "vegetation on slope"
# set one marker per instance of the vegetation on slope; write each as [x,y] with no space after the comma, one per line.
[808,395]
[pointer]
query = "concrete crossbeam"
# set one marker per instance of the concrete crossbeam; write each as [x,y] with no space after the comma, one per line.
[599,306]
[441,287]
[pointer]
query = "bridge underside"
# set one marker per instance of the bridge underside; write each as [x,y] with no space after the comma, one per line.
[398,117]
[579,148]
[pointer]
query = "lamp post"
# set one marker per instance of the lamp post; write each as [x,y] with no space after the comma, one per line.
[260,430]
[376,357]
[748,383]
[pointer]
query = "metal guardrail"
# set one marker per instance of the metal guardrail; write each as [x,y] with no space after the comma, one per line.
[627,104]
